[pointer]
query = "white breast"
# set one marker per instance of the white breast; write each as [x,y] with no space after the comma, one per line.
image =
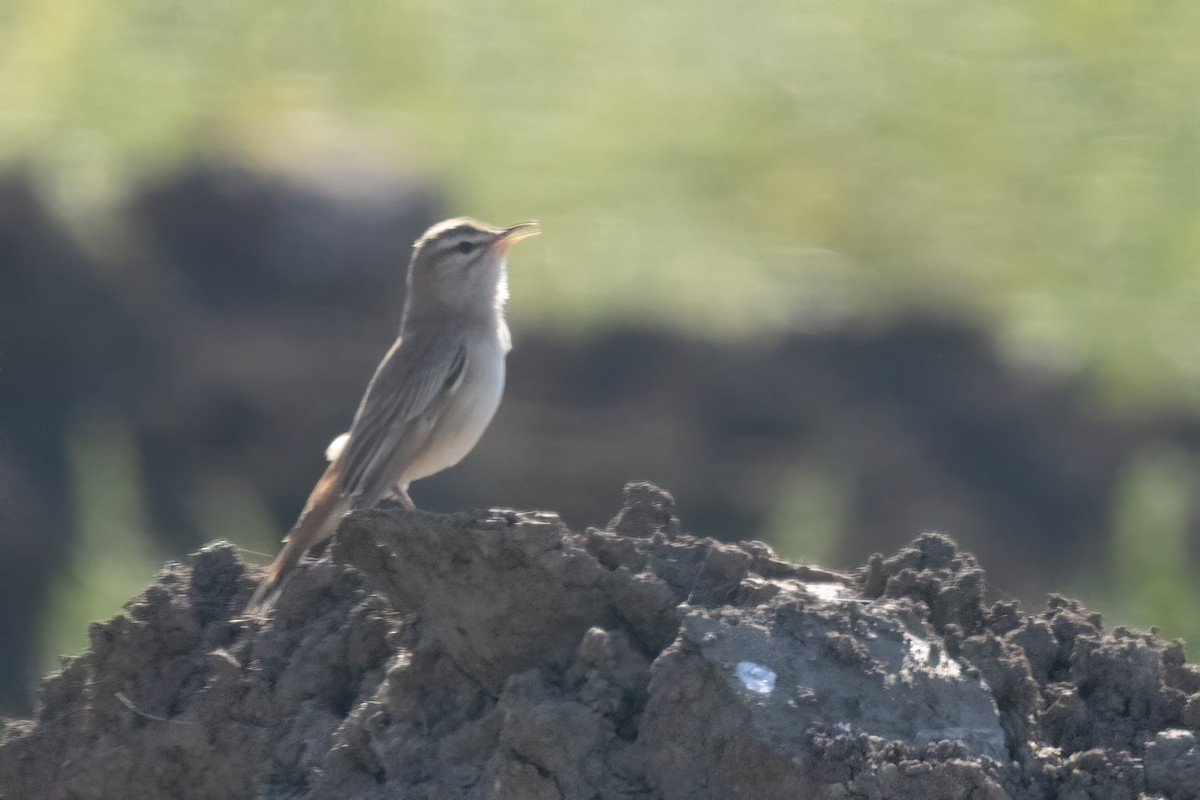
[467,414]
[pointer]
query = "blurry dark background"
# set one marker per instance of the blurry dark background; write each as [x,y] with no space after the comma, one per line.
[833,276]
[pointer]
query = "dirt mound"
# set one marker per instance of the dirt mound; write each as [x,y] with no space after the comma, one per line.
[499,655]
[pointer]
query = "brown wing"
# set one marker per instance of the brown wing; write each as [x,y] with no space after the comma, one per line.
[400,406]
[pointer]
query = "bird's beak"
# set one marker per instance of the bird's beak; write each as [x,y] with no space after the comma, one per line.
[515,234]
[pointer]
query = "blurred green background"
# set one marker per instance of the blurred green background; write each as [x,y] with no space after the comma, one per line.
[723,171]
[1035,162]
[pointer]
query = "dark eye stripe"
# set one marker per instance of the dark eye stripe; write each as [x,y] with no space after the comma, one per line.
[464,241]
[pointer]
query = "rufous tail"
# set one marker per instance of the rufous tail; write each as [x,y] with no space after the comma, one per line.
[317,523]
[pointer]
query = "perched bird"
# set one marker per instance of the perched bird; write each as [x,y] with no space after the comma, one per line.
[433,394]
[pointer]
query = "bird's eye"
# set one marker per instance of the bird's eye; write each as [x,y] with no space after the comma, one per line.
[466,247]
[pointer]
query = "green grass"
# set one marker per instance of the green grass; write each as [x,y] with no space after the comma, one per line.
[114,556]
[1150,579]
[722,168]
[809,512]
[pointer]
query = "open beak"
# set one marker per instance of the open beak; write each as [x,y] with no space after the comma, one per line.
[516,233]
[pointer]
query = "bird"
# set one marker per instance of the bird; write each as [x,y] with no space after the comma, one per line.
[431,397]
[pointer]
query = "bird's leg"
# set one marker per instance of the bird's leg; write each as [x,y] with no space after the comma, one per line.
[405,500]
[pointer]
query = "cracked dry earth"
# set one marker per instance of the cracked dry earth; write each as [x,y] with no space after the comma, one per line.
[499,655]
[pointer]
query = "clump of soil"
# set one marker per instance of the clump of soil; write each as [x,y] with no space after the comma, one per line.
[499,655]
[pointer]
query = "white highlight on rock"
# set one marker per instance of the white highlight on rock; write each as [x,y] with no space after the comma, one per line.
[830,592]
[756,677]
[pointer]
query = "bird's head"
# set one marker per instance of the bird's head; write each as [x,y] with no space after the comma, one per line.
[460,264]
